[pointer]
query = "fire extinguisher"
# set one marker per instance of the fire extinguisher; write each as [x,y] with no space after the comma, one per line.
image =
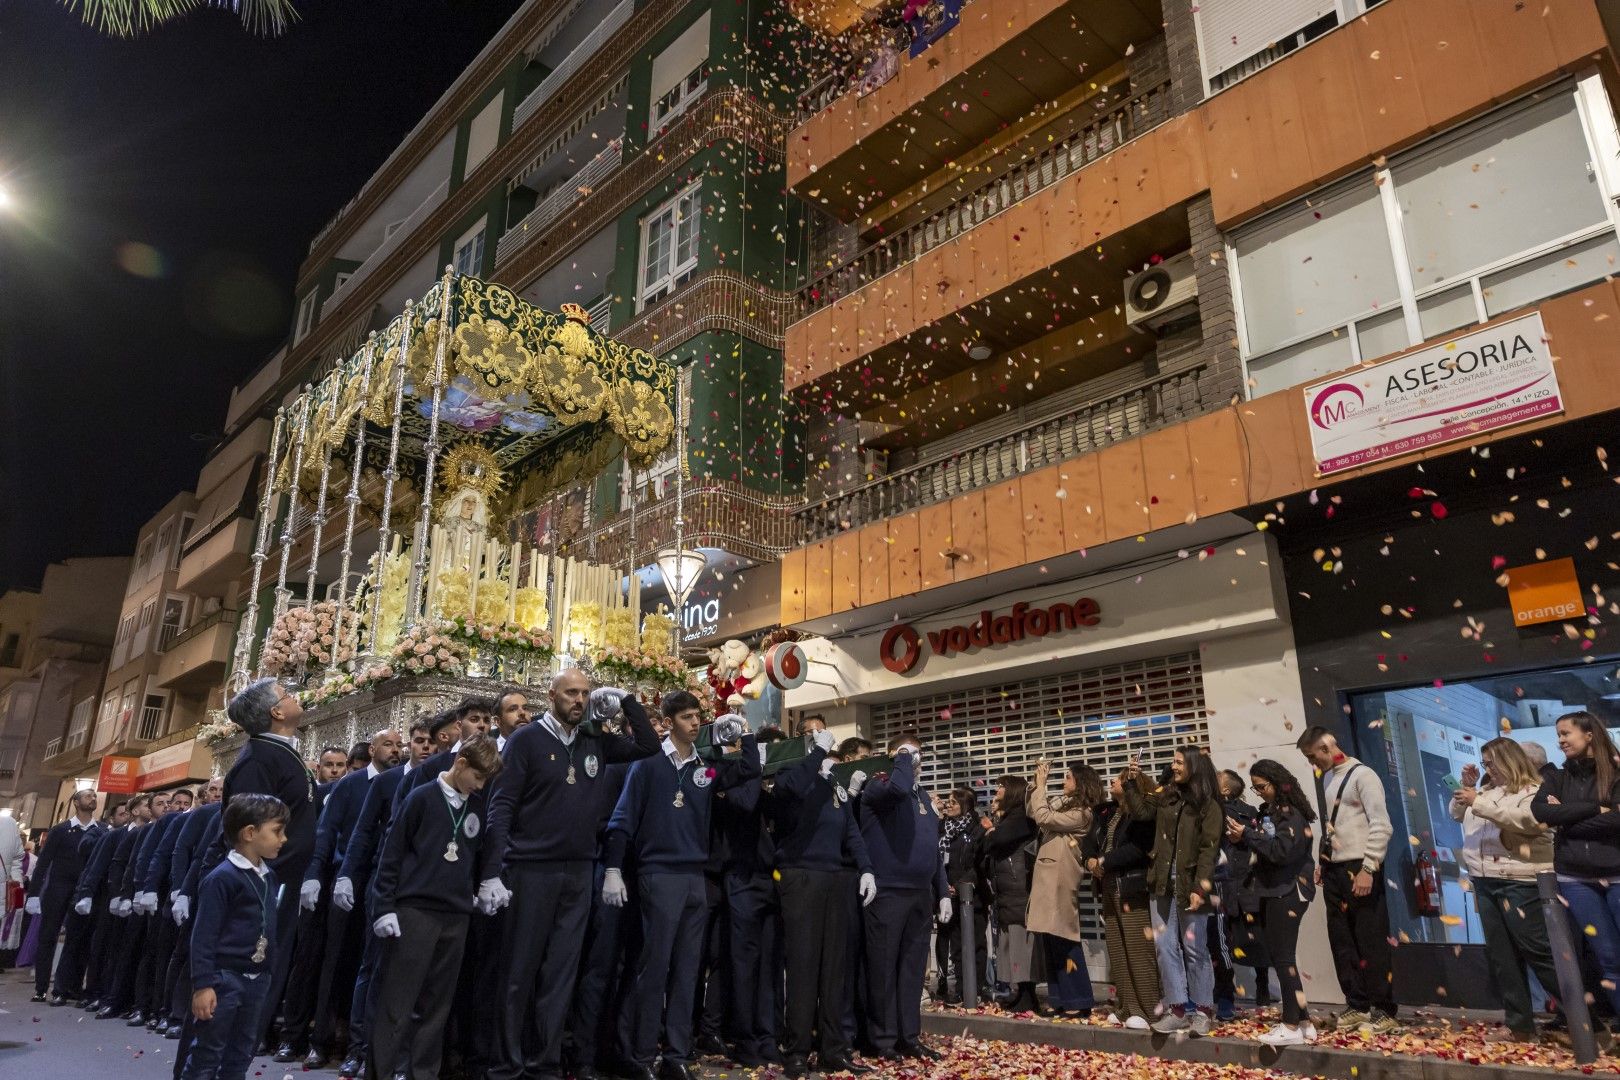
[1428,886]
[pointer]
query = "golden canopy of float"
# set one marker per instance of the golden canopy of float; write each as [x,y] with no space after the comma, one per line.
[465,412]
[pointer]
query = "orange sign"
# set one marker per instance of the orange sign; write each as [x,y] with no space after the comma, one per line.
[119,775]
[1545,592]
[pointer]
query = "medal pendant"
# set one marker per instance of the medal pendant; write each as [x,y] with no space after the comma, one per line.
[571,778]
[450,854]
[680,798]
[260,949]
[922,810]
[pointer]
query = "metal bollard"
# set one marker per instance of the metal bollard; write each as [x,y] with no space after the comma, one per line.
[1567,962]
[967,976]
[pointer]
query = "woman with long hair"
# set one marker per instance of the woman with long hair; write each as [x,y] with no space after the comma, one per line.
[959,836]
[1504,848]
[1008,856]
[1279,885]
[1579,800]
[1118,853]
[1054,892]
[1187,825]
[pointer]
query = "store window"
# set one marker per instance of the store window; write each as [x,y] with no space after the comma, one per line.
[1496,215]
[669,245]
[1101,716]
[1427,735]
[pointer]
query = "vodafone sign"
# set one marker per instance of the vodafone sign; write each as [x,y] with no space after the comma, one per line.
[902,646]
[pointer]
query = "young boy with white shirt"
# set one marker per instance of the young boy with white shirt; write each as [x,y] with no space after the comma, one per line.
[421,902]
[233,941]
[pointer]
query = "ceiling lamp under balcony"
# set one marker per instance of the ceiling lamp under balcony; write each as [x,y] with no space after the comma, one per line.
[680,570]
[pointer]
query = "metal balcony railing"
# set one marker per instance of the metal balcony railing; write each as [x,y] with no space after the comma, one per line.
[1160,402]
[201,626]
[572,62]
[387,247]
[716,300]
[151,723]
[1130,115]
[716,513]
[564,196]
[53,747]
[601,313]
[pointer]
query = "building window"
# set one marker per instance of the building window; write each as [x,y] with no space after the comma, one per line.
[165,541]
[174,617]
[307,308]
[143,555]
[669,246]
[11,650]
[107,723]
[1237,38]
[154,715]
[186,524]
[1501,213]
[676,100]
[469,258]
[341,280]
[79,726]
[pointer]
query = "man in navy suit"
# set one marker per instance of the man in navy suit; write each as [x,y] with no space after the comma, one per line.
[56,875]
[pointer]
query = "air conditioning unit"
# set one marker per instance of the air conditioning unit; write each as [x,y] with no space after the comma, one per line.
[1161,294]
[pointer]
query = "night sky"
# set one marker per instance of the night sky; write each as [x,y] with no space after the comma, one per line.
[167,188]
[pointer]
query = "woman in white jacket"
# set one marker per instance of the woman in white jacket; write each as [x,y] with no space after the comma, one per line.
[1504,847]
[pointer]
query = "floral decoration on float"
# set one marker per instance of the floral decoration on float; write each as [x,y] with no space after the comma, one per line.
[306,638]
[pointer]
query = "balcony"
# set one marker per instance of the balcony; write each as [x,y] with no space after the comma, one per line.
[718,300]
[716,514]
[572,62]
[1082,429]
[65,754]
[1010,61]
[1120,117]
[726,113]
[565,196]
[396,236]
[196,659]
[216,559]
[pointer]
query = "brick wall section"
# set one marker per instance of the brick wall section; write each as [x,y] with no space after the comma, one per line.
[1218,352]
[1181,45]
[1149,66]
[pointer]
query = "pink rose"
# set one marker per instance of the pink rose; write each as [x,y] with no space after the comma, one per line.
[429,661]
[421,649]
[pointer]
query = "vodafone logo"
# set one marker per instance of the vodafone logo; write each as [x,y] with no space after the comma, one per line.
[902,646]
[1335,403]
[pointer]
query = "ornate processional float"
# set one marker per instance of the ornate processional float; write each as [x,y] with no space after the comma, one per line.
[420,480]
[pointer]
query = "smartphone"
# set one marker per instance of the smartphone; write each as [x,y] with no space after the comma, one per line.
[1451,782]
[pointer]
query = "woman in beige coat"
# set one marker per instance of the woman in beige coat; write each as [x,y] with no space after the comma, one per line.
[1054,892]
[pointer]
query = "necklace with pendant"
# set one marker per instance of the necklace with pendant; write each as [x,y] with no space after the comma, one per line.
[452,853]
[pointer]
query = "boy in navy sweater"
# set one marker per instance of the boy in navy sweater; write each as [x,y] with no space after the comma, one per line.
[233,941]
[666,812]
[421,901]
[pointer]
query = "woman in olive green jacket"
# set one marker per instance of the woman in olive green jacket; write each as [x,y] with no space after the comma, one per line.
[1187,840]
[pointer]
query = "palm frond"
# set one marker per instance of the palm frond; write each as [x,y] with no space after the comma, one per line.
[127,18]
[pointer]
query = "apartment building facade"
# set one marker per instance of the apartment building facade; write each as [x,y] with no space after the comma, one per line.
[1077,267]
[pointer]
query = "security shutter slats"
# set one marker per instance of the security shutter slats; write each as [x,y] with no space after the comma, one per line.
[1231,31]
[1101,716]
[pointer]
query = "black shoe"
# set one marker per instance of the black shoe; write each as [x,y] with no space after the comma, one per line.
[106,1012]
[136,1019]
[350,1068]
[285,1053]
[743,1058]
[842,1065]
[90,1004]
[675,1070]
[314,1059]
[583,1072]
[155,1022]
[712,1045]
[917,1050]
[639,1072]
[37,999]
[174,1029]
[57,1001]
[796,1066]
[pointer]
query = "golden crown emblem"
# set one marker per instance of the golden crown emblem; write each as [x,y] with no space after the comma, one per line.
[575,313]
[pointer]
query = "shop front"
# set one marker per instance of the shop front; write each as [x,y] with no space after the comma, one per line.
[1192,646]
[1442,608]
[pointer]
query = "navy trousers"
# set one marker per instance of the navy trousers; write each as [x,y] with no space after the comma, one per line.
[222,1048]
[897,925]
[755,919]
[545,928]
[594,1025]
[674,910]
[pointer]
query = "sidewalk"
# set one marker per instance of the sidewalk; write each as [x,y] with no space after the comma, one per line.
[1436,1045]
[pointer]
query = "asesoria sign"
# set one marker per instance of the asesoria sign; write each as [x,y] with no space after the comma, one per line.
[1495,378]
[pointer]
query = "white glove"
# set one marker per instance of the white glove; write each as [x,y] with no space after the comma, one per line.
[916,755]
[827,767]
[944,909]
[123,908]
[309,894]
[728,729]
[824,739]
[140,903]
[181,910]
[495,895]
[83,906]
[481,907]
[387,926]
[614,894]
[868,889]
[113,904]
[31,905]
[607,702]
[343,894]
[857,780]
